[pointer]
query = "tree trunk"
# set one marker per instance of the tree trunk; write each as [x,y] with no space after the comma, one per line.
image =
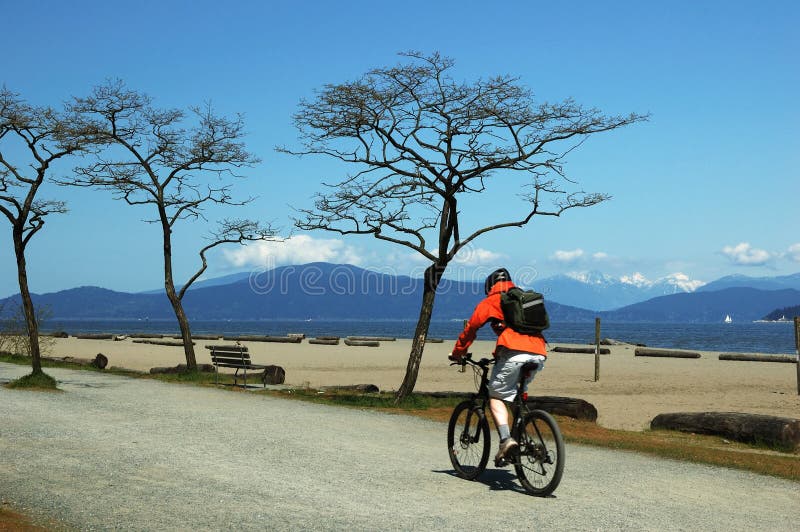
[433,274]
[31,323]
[175,301]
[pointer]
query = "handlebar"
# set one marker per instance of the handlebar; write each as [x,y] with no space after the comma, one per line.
[467,359]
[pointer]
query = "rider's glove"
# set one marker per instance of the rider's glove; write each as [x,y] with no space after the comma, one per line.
[454,358]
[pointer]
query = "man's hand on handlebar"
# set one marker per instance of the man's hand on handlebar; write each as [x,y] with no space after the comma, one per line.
[459,359]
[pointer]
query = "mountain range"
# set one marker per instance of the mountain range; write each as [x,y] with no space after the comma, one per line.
[331,291]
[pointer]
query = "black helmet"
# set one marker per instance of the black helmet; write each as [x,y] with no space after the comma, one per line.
[496,276]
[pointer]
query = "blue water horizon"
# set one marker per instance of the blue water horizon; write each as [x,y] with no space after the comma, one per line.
[759,337]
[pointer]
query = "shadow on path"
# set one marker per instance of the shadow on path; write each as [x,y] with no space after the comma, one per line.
[494,479]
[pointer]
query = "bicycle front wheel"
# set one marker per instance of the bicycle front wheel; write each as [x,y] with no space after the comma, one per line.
[468,440]
[541,454]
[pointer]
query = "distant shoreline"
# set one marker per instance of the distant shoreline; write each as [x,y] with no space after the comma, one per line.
[732,337]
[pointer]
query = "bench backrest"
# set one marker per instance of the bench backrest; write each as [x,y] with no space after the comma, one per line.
[229,355]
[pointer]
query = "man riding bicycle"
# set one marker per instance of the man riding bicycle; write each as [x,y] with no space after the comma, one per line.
[513,349]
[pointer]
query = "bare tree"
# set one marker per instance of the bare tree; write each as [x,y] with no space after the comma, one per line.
[31,140]
[419,141]
[154,160]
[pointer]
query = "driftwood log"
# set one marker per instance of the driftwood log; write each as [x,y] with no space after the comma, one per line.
[100,361]
[324,341]
[434,340]
[362,343]
[560,406]
[181,368]
[587,350]
[273,375]
[611,341]
[564,406]
[749,428]
[371,338]
[145,335]
[198,337]
[173,343]
[94,336]
[750,357]
[57,334]
[280,339]
[670,353]
[363,388]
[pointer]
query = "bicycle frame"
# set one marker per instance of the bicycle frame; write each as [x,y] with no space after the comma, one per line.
[519,406]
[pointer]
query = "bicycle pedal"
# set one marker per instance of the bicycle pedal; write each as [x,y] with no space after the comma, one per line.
[500,462]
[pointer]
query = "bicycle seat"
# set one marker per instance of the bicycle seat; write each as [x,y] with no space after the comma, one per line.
[529,366]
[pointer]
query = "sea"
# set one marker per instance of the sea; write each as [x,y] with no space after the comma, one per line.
[752,337]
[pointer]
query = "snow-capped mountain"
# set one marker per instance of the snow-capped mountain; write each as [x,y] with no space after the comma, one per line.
[599,291]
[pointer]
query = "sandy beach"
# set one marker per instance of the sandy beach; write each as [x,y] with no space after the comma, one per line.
[631,390]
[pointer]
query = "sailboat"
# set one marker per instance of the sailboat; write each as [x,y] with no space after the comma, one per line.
[728,318]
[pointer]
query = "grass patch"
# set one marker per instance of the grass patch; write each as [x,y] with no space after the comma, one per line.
[34,381]
[382,401]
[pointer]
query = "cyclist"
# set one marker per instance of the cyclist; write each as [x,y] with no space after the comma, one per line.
[513,349]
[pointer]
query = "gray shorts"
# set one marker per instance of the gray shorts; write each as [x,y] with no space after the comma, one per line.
[505,374]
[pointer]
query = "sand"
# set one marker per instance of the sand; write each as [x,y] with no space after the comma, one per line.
[630,392]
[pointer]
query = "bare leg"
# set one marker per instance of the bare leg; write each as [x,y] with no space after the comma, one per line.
[499,411]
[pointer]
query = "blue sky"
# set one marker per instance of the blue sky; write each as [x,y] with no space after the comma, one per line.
[708,187]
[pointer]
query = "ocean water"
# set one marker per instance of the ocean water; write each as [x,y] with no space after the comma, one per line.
[777,338]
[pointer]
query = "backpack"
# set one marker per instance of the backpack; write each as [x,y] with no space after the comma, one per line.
[523,311]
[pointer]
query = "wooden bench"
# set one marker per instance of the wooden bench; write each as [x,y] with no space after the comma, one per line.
[233,356]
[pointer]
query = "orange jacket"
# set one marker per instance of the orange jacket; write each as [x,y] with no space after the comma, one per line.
[489,309]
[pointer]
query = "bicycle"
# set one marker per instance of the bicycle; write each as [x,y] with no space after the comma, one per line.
[539,459]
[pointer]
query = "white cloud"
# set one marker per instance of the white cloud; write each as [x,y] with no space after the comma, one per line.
[568,256]
[298,249]
[794,252]
[600,255]
[744,254]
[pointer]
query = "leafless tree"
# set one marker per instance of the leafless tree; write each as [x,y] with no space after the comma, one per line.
[419,141]
[155,160]
[32,139]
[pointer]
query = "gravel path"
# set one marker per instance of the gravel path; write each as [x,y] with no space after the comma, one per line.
[119,453]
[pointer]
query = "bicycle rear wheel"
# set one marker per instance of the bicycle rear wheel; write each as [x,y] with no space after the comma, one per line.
[468,440]
[540,463]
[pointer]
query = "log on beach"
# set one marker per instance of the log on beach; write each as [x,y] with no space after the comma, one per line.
[434,340]
[273,375]
[324,341]
[751,357]
[362,343]
[94,336]
[669,353]
[564,406]
[172,343]
[100,361]
[145,335]
[363,388]
[749,428]
[198,337]
[611,341]
[372,338]
[281,339]
[587,350]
